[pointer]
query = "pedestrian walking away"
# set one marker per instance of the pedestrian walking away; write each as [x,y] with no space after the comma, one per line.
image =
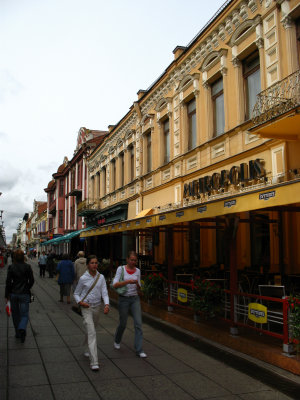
[65,270]
[19,281]
[130,300]
[42,264]
[80,267]
[50,265]
[90,290]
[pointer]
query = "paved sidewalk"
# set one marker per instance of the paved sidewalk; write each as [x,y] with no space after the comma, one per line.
[50,364]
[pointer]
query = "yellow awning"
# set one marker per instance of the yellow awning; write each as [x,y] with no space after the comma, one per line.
[270,196]
[143,213]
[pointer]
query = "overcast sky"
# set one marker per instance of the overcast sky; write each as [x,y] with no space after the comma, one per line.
[65,64]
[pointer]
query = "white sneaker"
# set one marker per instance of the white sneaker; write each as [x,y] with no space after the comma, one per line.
[86,354]
[142,355]
[117,346]
[95,368]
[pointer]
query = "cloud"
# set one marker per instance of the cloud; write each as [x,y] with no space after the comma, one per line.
[9,85]
[51,166]
[9,177]
[3,135]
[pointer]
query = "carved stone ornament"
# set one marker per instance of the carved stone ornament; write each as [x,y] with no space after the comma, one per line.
[222,33]
[287,22]
[224,71]
[259,43]
[236,62]
[252,4]
[244,11]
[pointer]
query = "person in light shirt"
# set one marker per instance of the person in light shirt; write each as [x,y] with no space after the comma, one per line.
[91,306]
[130,301]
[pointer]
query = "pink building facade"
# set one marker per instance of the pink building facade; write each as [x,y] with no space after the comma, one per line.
[66,190]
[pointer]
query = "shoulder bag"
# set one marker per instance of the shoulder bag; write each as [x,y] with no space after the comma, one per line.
[121,290]
[77,308]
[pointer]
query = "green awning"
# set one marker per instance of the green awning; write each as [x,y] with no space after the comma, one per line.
[65,238]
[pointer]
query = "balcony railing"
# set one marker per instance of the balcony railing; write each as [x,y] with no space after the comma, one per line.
[278,99]
[87,207]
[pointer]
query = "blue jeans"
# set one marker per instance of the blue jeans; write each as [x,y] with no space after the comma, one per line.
[133,304]
[20,310]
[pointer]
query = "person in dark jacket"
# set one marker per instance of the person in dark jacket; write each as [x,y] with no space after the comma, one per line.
[19,281]
[50,266]
[65,269]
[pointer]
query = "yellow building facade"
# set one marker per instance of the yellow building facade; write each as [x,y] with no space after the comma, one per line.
[213,143]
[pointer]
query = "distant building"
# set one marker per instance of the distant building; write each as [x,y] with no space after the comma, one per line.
[66,190]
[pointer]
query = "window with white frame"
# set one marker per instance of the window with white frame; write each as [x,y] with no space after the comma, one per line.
[218,107]
[122,169]
[252,84]
[148,152]
[166,137]
[192,124]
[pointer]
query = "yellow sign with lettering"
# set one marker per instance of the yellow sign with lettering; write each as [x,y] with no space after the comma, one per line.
[182,295]
[258,313]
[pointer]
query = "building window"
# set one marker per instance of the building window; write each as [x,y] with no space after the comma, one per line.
[131,162]
[78,174]
[149,152]
[50,224]
[113,178]
[166,128]
[61,219]
[192,124]
[218,107]
[61,187]
[72,212]
[73,179]
[104,180]
[251,73]
[122,169]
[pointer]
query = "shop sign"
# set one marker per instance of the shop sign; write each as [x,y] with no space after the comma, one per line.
[201,209]
[244,173]
[258,313]
[267,196]
[162,217]
[229,203]
[148,220]
[182,295]
[179,214]
[137,222]
[101,221]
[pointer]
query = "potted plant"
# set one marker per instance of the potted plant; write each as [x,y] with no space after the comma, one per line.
[207,298]
[294,308]
[153,285]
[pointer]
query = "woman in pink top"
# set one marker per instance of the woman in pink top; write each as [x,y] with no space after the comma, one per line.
[130,301]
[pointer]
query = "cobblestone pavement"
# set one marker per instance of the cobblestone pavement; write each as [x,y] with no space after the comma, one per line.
[50,364]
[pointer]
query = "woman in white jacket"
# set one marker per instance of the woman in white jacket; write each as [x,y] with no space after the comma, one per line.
[90,302]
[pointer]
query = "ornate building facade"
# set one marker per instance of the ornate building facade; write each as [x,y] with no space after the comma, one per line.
[190,150]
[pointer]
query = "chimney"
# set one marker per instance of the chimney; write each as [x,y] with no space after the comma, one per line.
[178,51]
[141,93]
